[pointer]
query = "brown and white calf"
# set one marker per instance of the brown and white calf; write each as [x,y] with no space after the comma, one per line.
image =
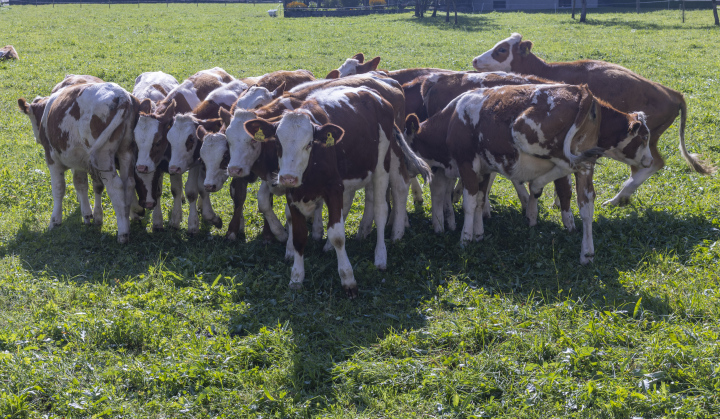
[154,124]
[88,128]
[154,85]
[8,53]
[334,143]
[536,134]
[271,86]
[354,65]
[620,87]
[74,79]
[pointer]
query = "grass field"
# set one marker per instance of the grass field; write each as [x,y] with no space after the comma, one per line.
[514,326]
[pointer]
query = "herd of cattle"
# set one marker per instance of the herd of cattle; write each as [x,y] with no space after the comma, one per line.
[319,141]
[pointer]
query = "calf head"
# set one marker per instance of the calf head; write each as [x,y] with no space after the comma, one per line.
[151,135]
[244,150]
[257,96]
[184,141]
[297,135]
[34,111]
[355,65]
[215,154]
[412,127]
[628,142]
[504,56]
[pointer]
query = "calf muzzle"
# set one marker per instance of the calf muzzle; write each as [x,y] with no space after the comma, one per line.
[235,172]
[210,188]
[141,169]
[174,170]
[288,180]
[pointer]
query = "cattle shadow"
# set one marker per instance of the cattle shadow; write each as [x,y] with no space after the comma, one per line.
[466,22]
[514,260]
[631,23]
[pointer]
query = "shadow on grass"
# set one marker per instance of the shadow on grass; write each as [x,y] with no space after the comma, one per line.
[516,261]
[466,22]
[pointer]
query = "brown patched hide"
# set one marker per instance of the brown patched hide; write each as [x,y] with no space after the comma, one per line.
[73,79]
[272,81]
[8,53]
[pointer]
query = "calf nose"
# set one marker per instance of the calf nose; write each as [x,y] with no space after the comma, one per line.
[475,62]
[210,188]
[149,204]
[647,162]
[141,168]
[174,169]
[235,171]
[288,180]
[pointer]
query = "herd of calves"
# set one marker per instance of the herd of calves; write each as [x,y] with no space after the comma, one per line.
[318,141]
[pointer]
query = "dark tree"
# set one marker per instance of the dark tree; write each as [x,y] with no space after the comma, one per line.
[584,11]
[435,7]
[573,9]
[715,14]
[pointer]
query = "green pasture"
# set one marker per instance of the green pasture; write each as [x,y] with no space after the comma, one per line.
[513,327]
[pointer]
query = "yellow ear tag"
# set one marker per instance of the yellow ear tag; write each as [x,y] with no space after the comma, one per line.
[330,140]
[259,136]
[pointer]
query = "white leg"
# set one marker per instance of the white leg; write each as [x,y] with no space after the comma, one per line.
[586,204]
[522,194]
[470,203]
[380,185]
[289,248]
[448,210]
[631,185]
[297,275]
[116,190]
[417,191]
[336,236]
[264,199]
[399,189]
[80,181]
[478,223]
[458,192]
[156,194]
[57,180]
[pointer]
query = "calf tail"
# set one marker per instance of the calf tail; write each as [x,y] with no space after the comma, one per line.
[414,163]
[123,108]
[588,109]
[694,160]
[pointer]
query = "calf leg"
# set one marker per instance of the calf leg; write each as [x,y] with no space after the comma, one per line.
[289,249]
[487,208]
[98,189]
[457,192]
[126,167]
[57,180]
[176,187]
[299,239]
[336,236]
[639,175]
[80,181]
[563,192]
[238,193]
[478,222]
[586,204]
[448,209]
[438,197]
[380,185]
[317,223]
[522,194]
[116,189]
[157,216]
[536,188]
[417,191]
[265,206]
[471,189]
[368,209]
[192,193]
[207,210]
[399,189]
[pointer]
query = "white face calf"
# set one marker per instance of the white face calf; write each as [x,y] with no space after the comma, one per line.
[182,139]
[297,134]
[499,57]
[150,136]
[244,150]
[257,96]
[214,153]
[634,149]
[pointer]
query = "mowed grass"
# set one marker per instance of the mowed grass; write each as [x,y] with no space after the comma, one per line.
[514,326]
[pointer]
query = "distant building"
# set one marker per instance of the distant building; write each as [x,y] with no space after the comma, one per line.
[489,5]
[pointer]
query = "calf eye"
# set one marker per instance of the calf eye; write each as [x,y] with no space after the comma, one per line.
[502,50]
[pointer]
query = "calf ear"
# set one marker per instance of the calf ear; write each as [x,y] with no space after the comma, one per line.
[279,91]
[335,74]
[201,132]
[359,56]
[145,106]
[24,106]
[524,47]
[412,124]
[226,116]
[634,128]
[371,65]
[260,130]
[169,113]
[328,135]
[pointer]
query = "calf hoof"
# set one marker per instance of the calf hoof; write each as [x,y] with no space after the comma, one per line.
[532,222]
[487,211]
[123,238]
[352,292]
[217,222]
[231,236]
[328,246]
[193,231]
[282,238]
[88,220]
[97,222]
[297,286]
[418,201]
[587,258]
[289,255]
[479,238]
[618,201]
[158,229]
[381,265]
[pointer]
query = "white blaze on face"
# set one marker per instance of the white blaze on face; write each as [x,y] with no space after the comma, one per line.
[212,153]
[244,151]
[145,132]
[178,136]
[295,133]
[349,67]
[499,57]
[254,98]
